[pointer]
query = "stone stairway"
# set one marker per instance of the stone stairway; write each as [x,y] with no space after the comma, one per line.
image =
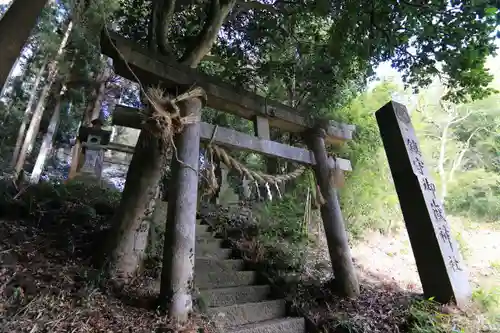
[232,294]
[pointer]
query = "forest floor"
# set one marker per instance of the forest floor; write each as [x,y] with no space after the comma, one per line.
[479,244]
[388,275]
[48,285]
[390,258]
[43,289]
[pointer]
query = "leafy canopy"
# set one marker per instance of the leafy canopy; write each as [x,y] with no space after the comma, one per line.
[316,53]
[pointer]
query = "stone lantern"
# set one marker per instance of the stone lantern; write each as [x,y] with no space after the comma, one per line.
[94,140]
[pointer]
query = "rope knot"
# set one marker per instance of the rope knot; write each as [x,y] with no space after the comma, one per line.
[164,118]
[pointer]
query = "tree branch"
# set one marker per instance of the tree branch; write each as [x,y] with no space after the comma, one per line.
[458,161]
[240,4]
[442,151]
[213,58]
[257,5]
[457,120]
[217,13]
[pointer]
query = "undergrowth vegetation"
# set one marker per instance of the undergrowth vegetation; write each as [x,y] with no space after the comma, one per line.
[76,201]
[476,195]
[488,301]
[279,236]
[368,199]
[78,213]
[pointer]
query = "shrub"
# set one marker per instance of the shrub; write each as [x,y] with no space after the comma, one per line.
[368,199]
[425,317]
[475,194]
[47,198]
[76,214]
[489,303]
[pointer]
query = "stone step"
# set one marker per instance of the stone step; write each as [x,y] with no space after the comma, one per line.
[282,325]
[235,295]
[201,228]
[209,242]
[210,247]
[205,235]
[214,280]
[203,265]
[213,252]
[242,314]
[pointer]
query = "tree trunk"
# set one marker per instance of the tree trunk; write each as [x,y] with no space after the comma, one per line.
[46,147]
[100,94]
[157,228]
[128,237]
[441,160]
[217,14]
[452,120]
[3,91]
[142,177]
[27,113]
[37,115]
[15,28]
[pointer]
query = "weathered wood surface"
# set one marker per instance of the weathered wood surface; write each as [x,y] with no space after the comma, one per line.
[228,138]
[439,262]
[333,222]
[156,69]
[111,146]
[177,275]
[261,128]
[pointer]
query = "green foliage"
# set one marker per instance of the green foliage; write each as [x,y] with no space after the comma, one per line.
[74,202]
[312,55]
[283,230]
[284,219]
[368,200]
[425,317]
[74,216]
[481,130]
[489,302]
[475,194]
[460,143]
[316,54]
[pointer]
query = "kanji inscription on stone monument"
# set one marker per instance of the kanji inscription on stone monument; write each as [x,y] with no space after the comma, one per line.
[438,258]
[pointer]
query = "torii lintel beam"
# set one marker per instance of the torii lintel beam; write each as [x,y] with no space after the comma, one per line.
[151,69]
[228,138]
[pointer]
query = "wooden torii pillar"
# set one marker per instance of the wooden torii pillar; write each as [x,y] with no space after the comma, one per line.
[331,214]
[136,63]
[317,157]
[177,276]
[440,265]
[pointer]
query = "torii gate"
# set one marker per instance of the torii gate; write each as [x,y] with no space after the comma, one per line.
[449,282]
[155,69]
